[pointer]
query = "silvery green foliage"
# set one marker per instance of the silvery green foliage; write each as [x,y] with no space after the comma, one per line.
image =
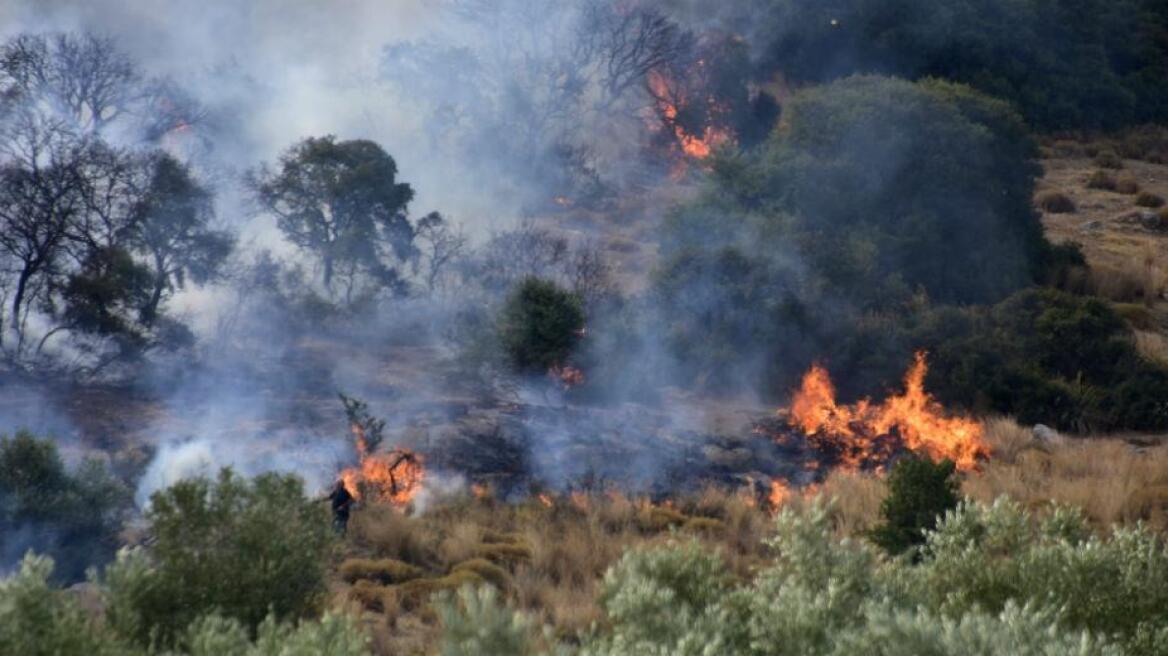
[333,634]
[983,557]
[1016,631]
[36,618]
[824,596]
[476,623]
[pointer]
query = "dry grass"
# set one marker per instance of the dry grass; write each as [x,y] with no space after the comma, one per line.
[549,560]
[1111,479]
[1055,202]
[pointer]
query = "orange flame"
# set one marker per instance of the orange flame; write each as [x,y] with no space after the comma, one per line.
[391,477]
[918,420]
[479,491]
[546,500]
[779,495]
[567,376]
[669,103]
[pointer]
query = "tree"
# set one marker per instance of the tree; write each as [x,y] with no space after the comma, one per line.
[173,228]
[920,492]
[540,325]
[341,202]
[74,517]
[238,548]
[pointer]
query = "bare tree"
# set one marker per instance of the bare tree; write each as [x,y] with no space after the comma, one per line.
[440,244]
[81,76]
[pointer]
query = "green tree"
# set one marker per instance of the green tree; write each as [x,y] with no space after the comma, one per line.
[341,202]
[238,548]
[920,492]
[540,325]
[173,229]
[74,517]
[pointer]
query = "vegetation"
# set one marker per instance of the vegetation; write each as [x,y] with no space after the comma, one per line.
[1055,202]
[236,548]
[1064,73]
[74,517]
[920,492]
[539,325]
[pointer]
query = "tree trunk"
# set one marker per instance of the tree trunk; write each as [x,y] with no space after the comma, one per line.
[18,298]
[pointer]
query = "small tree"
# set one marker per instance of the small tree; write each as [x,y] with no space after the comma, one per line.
[919,493]
[540,325]
[238,548]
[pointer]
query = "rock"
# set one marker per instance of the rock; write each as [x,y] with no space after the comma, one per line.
[1046,434]
[1150,220]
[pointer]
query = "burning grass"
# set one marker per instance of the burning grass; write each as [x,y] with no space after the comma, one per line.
[548,555]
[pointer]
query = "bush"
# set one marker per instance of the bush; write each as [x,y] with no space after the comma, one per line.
[1101,180]
[1055,202]
[540,325]
[73,517]
[476,623]
[386,570]
[920,492]
[333,634]
[1108,159]
[37,619]
[1148,199]
[241,549]
[1126,184]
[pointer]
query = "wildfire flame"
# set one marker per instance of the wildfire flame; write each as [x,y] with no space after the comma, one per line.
[567,376]
[390,477]
[668,104]
[780,493]
[860,430]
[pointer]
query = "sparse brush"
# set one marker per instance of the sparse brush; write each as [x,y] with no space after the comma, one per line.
[1148,199]
[1126,184]
[386,570]
[1108,159]
[1101,180]
[1055,202]
[488,571]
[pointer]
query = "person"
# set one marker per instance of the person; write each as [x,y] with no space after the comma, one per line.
[342,501]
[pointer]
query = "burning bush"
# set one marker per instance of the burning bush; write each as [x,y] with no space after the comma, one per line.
[540,325]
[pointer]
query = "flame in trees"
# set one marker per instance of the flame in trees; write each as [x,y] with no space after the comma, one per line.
[566,376]
[389,477]
[867,435]
[672,104]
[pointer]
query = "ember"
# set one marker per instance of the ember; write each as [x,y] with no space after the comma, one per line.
[868,435]
[567,376]
[391,477]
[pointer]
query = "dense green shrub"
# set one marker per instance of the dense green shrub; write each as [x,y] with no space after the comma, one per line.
[237,548]
[1068,64]
[474,622]
[74,517]
[540,325]
[37,619]
[920,492]
[1044,356]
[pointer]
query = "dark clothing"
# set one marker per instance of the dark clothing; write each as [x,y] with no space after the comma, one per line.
[342,501]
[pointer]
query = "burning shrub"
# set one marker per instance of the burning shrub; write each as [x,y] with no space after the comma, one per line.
[1055,202]
[540,325]
[236,547]
[73,517]
[920,492]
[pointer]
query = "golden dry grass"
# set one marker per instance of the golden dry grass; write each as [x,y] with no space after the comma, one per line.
[1111,479]
[549,560]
